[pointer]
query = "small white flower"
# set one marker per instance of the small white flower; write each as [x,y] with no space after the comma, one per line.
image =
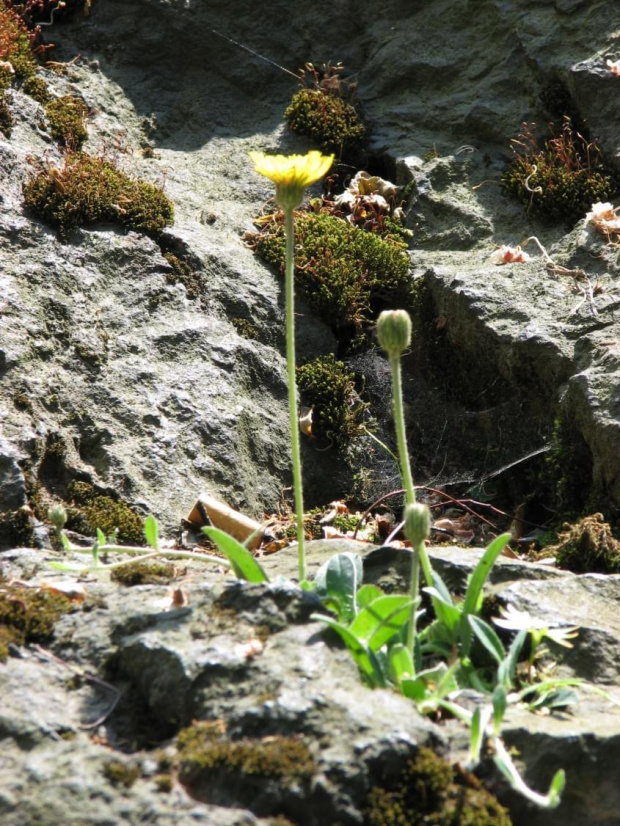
[515,620]
[509,255]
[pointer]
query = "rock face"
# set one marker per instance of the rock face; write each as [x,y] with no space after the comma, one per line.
[116,370]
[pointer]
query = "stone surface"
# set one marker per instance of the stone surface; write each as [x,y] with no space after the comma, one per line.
[156,396]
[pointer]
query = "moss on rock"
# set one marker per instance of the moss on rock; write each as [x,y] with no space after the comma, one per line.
[328,387]
[93,510]
[560,178]
[331,122]
[588,547]
[28,615]
[37,89]
[347,274]
[144,573]
[67,118]
[207,758]
[429,792]
[88,190]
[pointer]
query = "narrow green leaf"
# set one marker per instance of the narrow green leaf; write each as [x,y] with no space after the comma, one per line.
[488,637]
[446,612]
[382,619]
[500,701]
[100,537]
[507,668]
[366,594]
[476,584]
[65,541]
[151,532]
[243,563]
[356,647]
[504,763]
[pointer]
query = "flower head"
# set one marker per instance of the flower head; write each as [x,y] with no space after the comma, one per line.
[515,620]
[292,173]
[394,331]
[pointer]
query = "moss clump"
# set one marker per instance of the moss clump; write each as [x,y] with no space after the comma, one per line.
[561,177]
[203,750]
[38,89]
[330,121]
[28,615]
[15,43]
[429,793]
[328,387]
[88,190]
[348,275]
[93,510]
[17,528]
[185,274]
[67,118]
[588,547]
[143,573]
[6,117]
[120,774]
[164,783]
[245,328]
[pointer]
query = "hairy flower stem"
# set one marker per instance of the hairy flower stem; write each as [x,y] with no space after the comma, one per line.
[292,387]
[419,553]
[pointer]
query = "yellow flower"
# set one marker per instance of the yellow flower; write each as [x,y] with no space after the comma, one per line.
[292,173]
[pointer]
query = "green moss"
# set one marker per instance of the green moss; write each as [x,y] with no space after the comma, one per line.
[330,121]
[430,793]
[185,274]
[561,177]
[144,573]
[348,275]
[88,190]
[245,328]
[203,749]
[37,88]
[28,615]
[6,116]
[120,774]
[328,387]
[588,547]
[15,43]
[93,510]
[67,118]
[17,528]
[163,783]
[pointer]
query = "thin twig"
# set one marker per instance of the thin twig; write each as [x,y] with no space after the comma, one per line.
[48,655]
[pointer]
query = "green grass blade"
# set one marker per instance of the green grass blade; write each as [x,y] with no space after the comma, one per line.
[474,589]
[243,563]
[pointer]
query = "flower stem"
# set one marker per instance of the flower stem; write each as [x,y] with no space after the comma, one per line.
[405,467]
[292,387]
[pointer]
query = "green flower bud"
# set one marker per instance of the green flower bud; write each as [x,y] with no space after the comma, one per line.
[58,517]
[394,331]
[417,523]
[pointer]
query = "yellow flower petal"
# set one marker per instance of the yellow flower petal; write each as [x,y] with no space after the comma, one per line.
[292,172]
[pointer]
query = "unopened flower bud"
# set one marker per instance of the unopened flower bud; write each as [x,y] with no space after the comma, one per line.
[58,517]
[417,523]
[394,331]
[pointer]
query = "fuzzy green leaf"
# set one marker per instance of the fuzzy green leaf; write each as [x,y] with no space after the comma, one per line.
[488,637]
[381,620]
[151,532]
